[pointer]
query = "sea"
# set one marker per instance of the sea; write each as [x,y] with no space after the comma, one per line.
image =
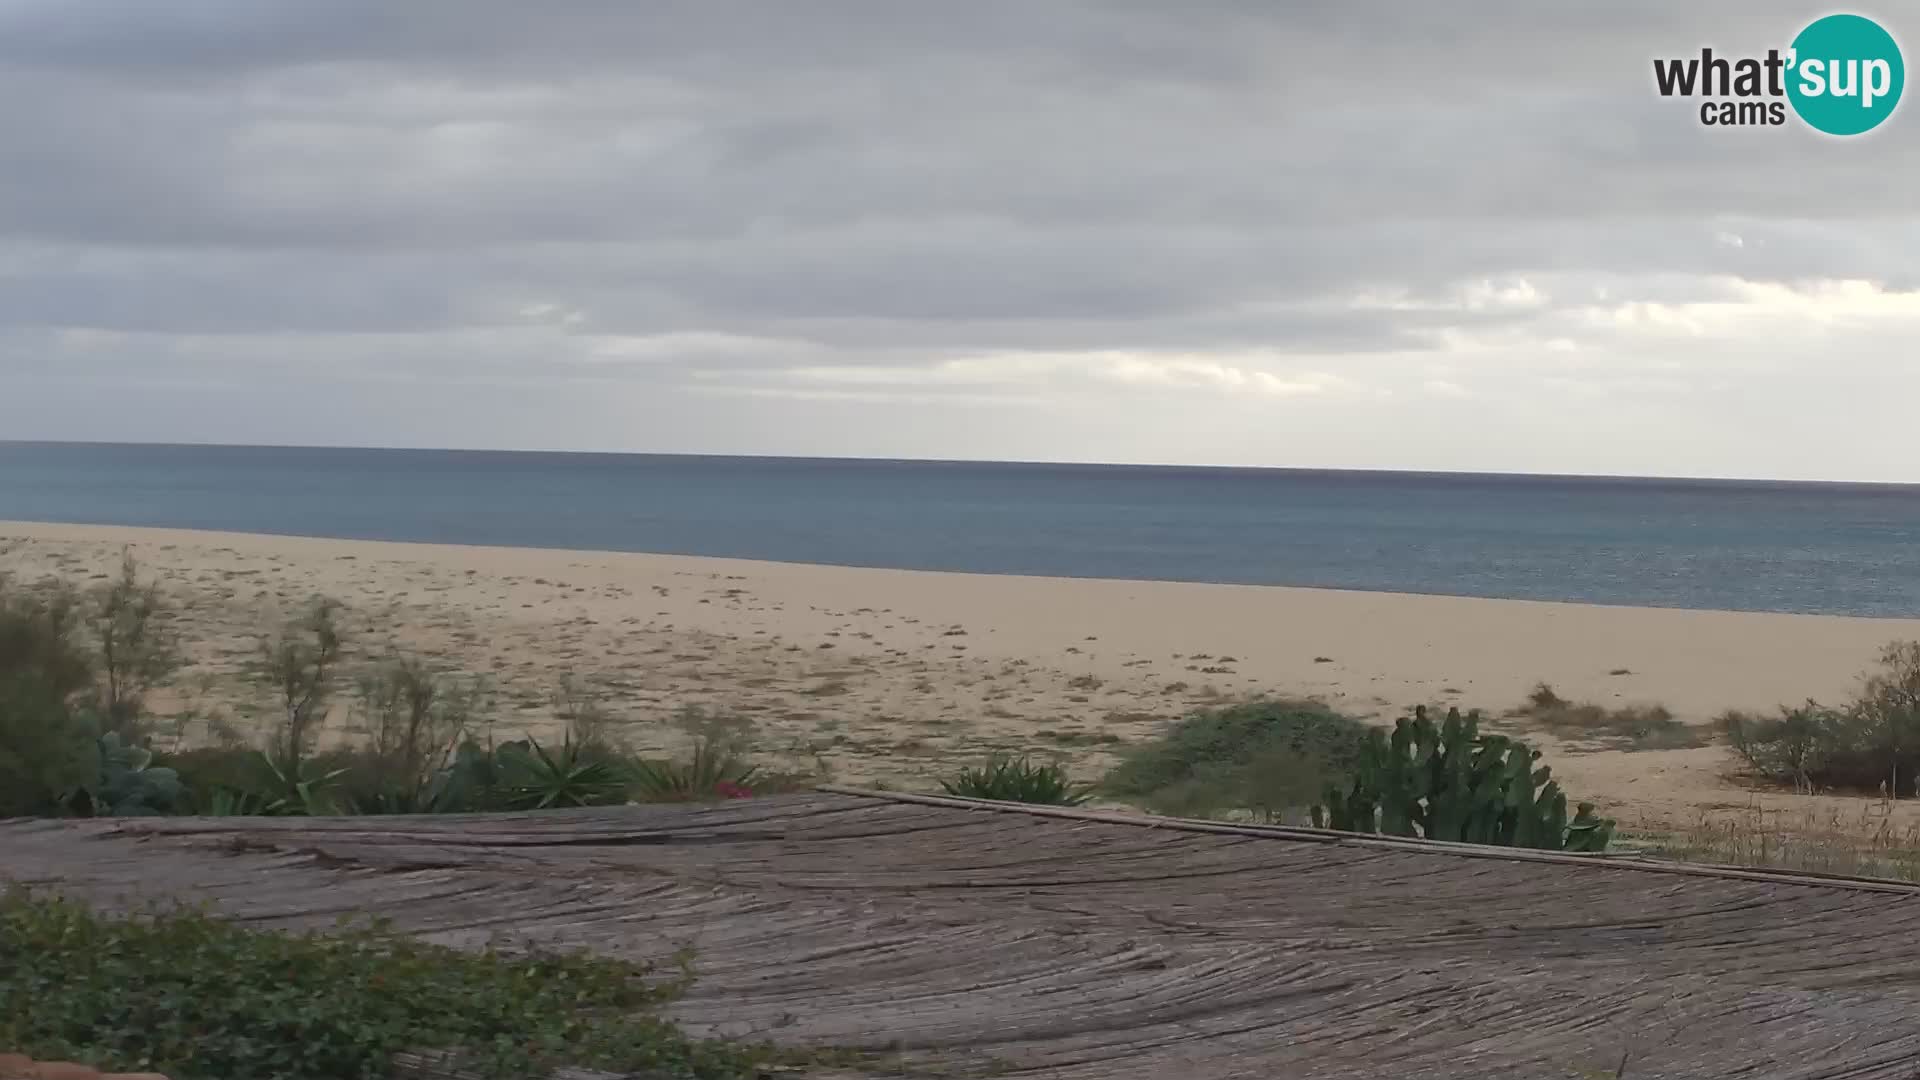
[1831,548]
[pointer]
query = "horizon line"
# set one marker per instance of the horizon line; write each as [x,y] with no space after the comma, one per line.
[1035,462]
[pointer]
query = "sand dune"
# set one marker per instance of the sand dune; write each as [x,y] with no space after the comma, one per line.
[886,675]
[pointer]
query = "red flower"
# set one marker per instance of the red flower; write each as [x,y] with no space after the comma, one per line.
[727,789]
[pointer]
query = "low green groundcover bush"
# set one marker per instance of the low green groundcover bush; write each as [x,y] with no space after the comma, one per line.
[200,999]
[1270,757]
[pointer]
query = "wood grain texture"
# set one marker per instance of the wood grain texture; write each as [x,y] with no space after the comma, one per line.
[1094,946]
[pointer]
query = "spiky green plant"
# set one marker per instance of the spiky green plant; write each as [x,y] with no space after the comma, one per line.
[232,802]
[1017,780]
[714,765]
[301,789]
[537,778]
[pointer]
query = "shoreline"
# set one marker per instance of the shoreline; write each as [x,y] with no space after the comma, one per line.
[51,528]
[899,675]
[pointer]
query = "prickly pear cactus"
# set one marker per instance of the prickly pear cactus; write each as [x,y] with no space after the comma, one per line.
[127,784]
[1588,832]
[1446,781]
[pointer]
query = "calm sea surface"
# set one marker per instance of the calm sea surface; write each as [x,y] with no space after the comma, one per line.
[1834,548]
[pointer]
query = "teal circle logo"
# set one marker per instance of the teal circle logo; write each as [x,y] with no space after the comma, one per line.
[1845,74]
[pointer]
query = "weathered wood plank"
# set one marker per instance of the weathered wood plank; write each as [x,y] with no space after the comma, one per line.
[1095,946]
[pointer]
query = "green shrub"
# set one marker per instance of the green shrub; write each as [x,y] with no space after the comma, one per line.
[47,746]
[201,999]
[73,669]
[206,771]
[358,780]
[43,754]
[1017,780]
[412,722]
[413,718]
[135,645]
[1789,747]
[1881,744]
[1870,744]
[1270,757]
[299,666]
[1449,782]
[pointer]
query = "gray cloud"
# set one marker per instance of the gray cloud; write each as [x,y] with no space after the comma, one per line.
[1317,225]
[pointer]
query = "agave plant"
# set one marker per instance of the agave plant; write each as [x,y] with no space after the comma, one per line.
[714,770]
[1017,780]
[232,802]
[539,779]
[305,789]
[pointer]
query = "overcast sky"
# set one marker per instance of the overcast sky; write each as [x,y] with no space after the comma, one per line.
[1339,234]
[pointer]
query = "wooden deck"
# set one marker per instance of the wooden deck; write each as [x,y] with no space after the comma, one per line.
[1095,947]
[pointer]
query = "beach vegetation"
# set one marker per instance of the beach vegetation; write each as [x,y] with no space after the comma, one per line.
[714,765]
[1788,746]
[1447,781]
[198,998]
[1271,759]
[121,780]
[136,646]
[79,663]
[298,665]
[1866,841]
[572,774]
[45,747]
[1017,779]
[74,668]
[477,776]
[1626,727]
[206,772]
[412,716]
[1870,743]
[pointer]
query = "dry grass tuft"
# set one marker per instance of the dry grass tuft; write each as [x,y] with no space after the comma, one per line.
[1870,843]
[1628,727]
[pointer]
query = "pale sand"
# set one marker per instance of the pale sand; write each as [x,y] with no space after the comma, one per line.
[895,676]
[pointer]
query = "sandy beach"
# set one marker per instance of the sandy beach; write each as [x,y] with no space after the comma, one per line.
[895,676]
